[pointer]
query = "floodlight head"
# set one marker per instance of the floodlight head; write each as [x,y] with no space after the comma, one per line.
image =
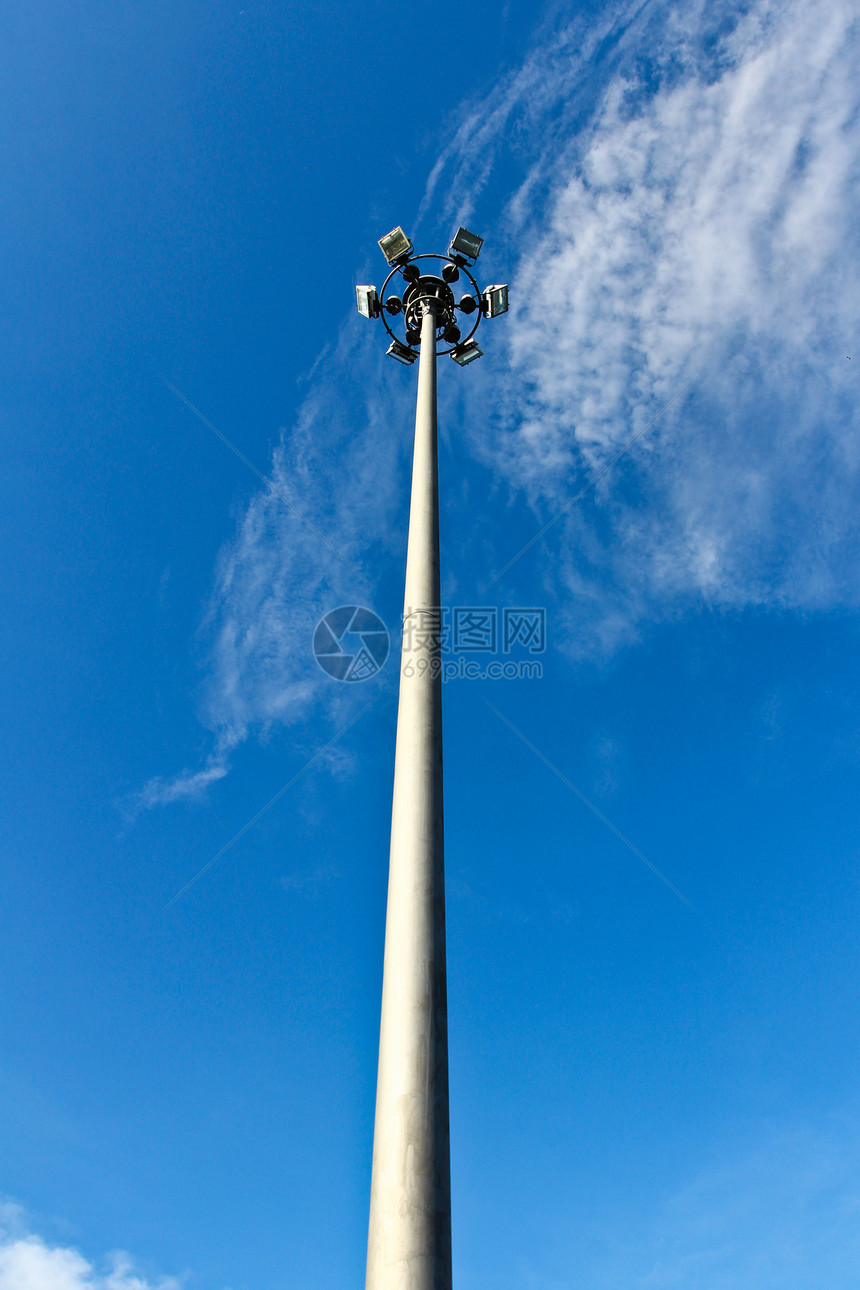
[395,245]
[466,244]
[401,352]
[495,300]
[367,300]
[466,353]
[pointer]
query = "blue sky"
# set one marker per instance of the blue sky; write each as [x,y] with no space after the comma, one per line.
[644,1094]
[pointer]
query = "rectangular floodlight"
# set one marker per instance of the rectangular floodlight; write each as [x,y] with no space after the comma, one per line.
[496,300]
[466,244]
[395,245]
[401,352]
[367,299]
[466,354]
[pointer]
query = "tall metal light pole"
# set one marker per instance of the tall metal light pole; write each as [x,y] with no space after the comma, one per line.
[409,1239]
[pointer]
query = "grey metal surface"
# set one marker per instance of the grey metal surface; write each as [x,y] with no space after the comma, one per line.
[409,1240]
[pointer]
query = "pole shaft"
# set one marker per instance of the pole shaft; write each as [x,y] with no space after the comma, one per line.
[409,1241]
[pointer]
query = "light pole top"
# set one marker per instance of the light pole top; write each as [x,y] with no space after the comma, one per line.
[424,287]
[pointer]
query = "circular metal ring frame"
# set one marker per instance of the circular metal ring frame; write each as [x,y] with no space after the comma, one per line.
[429,255]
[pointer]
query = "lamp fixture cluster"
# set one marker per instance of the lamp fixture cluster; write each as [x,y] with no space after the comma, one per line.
[422,290]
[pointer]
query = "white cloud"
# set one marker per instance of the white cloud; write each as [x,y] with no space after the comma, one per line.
[696,223]
[27,1262]
[276,577]
[686,212]
[160,790]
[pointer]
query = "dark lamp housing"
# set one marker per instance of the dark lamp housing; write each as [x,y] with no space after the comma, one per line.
[466,244]
[495,300]
[367,301]
[465,354]
[395,245]
[401,352]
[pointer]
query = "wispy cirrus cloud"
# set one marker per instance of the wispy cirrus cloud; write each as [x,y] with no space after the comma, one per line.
[275,577]
[693,222]
[682,211]
[189,784]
